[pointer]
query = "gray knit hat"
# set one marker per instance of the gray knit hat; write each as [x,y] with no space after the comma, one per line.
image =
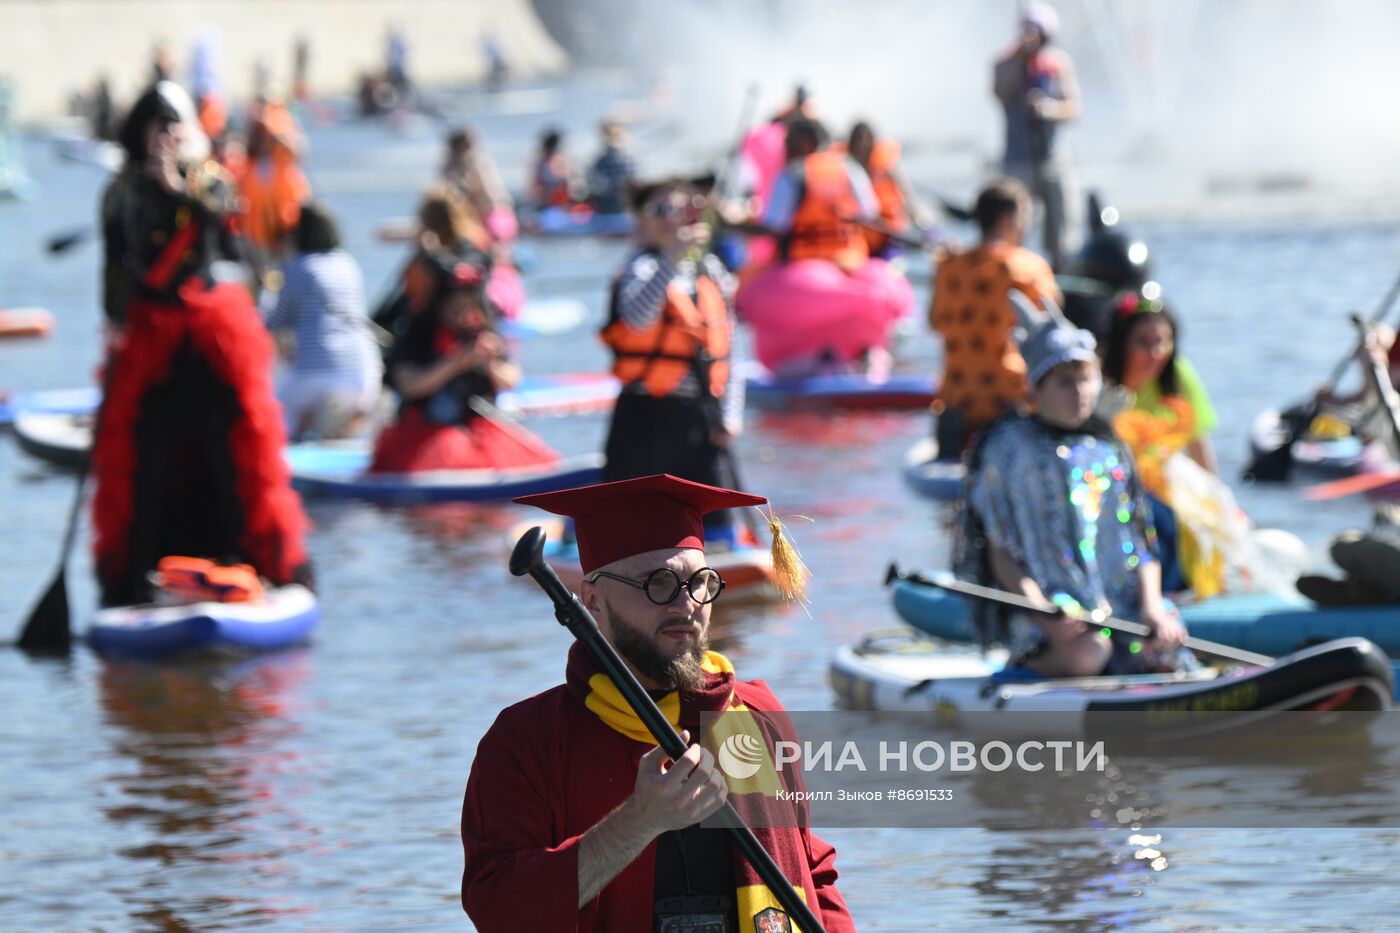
[1047,339]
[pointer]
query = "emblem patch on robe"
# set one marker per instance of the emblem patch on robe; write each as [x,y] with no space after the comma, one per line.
[772,920]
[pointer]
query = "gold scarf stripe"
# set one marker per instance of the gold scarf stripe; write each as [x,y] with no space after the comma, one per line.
[753,899]
[606,701]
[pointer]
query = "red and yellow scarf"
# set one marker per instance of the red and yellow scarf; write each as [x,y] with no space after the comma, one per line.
[758,910]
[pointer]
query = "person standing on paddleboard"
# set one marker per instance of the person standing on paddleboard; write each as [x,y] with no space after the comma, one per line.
[670,328]
[573,818]
[1039,93]
[187,452]
[984,375]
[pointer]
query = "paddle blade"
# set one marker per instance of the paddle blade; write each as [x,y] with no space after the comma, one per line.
[1350,485]
[48,630]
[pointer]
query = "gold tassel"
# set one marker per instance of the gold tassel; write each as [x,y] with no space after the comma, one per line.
[790,574]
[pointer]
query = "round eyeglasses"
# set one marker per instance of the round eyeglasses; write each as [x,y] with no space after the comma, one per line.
[663,584]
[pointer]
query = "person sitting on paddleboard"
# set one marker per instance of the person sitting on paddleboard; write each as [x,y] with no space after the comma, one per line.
[187,451]
[336,367]
[983,373]
[551,177]
[450,232]
[900,207]
[670,327]
[1163,409]
[573,818]
[1362,412]
[817,200]
[1054,511]
[447,368]
[612,174]
[470,171]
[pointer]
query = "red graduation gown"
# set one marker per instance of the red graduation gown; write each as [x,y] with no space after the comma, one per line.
[546,772]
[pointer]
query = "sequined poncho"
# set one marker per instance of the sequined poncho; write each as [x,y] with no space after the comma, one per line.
[1065,505]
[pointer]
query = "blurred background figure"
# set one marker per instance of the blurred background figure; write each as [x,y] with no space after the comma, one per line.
[162,64]
[301,69]
[551,176]
[271,182]
[900,206]
[984,375]
[497,71]
[612,172]
[207,88]
[336,371]
[472,173]
[1038,90]
[396,60]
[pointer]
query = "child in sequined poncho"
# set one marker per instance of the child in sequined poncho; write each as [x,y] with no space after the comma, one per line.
[1054,512]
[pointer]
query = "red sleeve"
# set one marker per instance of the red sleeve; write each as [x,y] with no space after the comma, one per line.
[515,868]
[821,857]
[832,910]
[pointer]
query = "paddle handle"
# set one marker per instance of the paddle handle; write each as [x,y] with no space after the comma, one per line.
[1380,381]
[891,235]
[1381,310]
[508,425]
[1015,601]
[528,558]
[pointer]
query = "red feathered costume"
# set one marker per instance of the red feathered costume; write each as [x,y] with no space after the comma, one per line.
[187,456]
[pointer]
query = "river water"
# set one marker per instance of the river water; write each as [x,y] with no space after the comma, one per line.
[320,789]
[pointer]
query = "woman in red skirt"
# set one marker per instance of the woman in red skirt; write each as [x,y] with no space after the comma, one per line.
[187,456]
[447,364]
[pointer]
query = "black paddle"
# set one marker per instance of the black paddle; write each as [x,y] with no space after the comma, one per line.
[527,558]
[1273,466]
[953,210]
[48,629]
[1381,384]
[1015,601]
[884,230]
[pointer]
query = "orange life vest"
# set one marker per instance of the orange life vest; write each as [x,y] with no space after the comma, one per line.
[883,159]
[199,580]
[272,204]
[819,228]
[660,356]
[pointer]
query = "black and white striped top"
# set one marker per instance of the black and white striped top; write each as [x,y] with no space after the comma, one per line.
[640,296]
[322,302]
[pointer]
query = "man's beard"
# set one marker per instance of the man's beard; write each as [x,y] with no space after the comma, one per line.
[682,672]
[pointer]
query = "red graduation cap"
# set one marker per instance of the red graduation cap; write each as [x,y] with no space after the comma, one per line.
[617,520]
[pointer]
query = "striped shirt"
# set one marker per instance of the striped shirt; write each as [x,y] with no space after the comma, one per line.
[641,296]
[322,302]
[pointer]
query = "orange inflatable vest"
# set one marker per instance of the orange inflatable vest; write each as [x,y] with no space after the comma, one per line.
[200,580]
[661,355]
[819,228]
[272,204]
